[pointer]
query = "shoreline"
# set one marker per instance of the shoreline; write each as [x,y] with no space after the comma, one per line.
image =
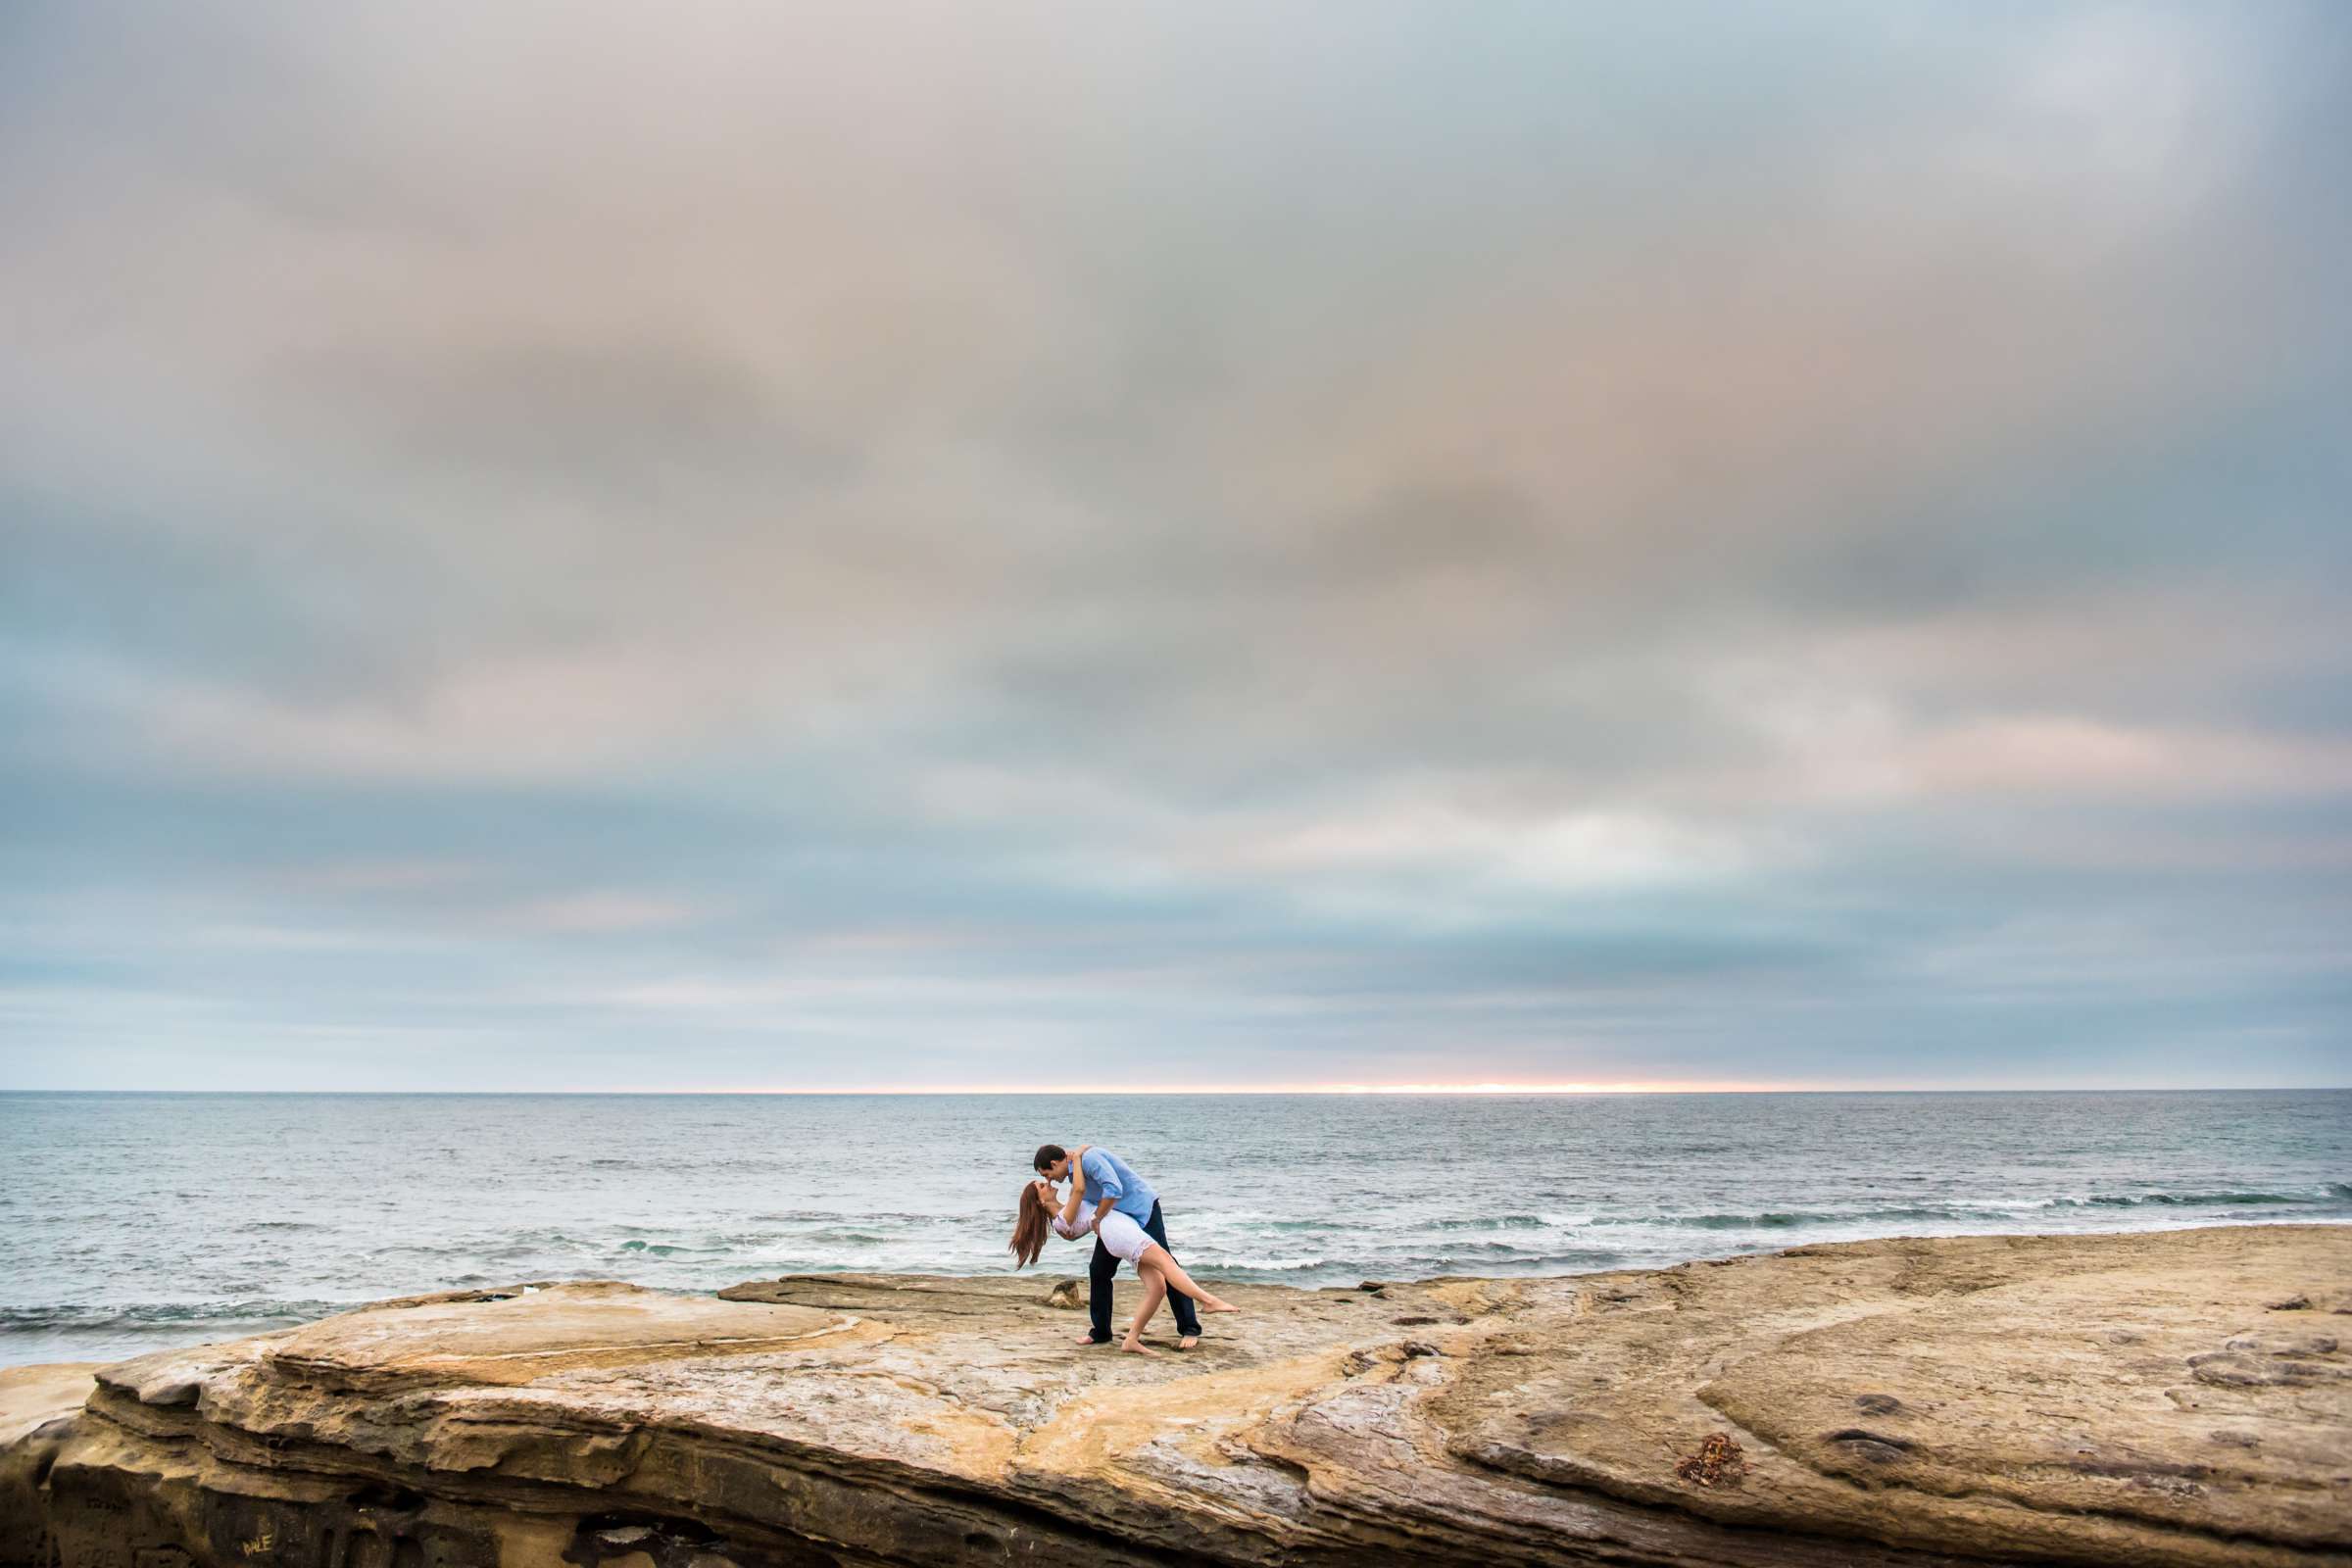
[154,1321]
[2162,1396]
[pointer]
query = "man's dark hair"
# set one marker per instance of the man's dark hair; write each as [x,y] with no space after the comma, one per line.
[1047,1154]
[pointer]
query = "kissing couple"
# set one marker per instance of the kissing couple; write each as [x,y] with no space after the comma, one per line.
[1122,1211]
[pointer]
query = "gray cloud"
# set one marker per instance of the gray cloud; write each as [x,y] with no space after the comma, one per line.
[552,548]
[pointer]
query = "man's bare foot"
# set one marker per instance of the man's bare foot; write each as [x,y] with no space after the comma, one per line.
[1134,1346]
[1089,1342]
[1187,1342]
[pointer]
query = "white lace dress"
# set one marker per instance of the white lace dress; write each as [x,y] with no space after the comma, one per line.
[1118,1232]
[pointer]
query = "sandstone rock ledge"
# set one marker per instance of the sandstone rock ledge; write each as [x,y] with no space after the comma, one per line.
[2182,1397]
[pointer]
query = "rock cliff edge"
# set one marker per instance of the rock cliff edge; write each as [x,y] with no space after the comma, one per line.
[2177,1397]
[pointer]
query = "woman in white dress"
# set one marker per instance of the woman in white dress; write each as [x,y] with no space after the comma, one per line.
[1043,1209]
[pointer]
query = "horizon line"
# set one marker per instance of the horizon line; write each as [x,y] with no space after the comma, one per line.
[1429,1091]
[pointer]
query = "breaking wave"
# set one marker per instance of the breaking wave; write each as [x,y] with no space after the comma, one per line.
[137,1316]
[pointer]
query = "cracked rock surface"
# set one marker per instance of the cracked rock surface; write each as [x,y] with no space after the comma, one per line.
[2173,1398]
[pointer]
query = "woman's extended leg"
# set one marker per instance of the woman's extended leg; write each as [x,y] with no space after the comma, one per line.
[1156,1291]
[1159,1257]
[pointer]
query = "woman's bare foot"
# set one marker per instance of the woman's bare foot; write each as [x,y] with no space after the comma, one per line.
[1134,1346]
[1212,1304]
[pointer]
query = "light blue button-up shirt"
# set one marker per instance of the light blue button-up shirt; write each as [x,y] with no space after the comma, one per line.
[1108,1176]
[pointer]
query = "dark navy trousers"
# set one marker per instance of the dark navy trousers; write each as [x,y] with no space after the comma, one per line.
[1106,1264]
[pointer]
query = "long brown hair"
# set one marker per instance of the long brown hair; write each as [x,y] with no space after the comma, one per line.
[1030,1229]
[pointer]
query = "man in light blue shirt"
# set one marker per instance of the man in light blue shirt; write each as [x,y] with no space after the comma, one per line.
[1109,1184]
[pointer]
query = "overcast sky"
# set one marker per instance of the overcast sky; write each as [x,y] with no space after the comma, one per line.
[572,546]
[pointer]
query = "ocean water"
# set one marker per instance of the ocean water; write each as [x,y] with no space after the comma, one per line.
[132,1222]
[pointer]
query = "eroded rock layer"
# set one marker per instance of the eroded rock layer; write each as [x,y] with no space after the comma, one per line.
[2180,1398]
